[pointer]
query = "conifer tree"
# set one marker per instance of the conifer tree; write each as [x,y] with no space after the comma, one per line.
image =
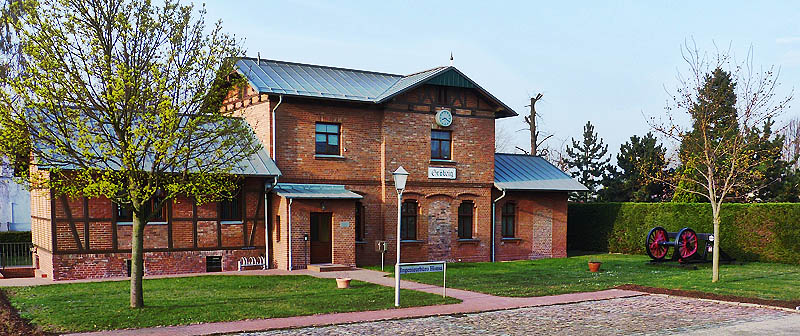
[587,162]
[638,158]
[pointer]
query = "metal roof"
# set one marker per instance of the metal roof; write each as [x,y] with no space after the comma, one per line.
[258,164]
[526,172]
[306,80]
[315,191]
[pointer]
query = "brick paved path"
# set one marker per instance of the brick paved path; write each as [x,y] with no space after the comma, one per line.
[649,314]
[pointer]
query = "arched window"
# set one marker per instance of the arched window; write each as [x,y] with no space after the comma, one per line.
[465,219]
[408,220]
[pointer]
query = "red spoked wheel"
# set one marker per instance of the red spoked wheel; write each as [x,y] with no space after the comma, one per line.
[654,244]
[686,243]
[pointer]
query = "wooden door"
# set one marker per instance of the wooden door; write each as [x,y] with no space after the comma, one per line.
[321,242]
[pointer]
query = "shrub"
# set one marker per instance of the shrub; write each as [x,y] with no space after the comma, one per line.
[15,237]
[757,232]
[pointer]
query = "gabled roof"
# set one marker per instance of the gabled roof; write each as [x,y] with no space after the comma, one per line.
[526,172]
[315,191]
[316,81]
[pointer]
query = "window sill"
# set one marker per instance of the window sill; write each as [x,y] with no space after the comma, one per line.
[443,162]
[411,242]
[468,241]
[328,157]
[510,240]
[148,223]
[230,222]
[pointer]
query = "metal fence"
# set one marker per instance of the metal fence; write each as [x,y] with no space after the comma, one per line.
[16,254]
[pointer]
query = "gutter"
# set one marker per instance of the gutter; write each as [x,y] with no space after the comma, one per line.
[290,233]
[494,217]
[274,126]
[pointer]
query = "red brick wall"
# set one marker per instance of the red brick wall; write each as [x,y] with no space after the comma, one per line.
[105,265]
[541,226]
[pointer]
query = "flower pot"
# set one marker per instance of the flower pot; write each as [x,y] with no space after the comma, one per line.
[594,266]
[343,282]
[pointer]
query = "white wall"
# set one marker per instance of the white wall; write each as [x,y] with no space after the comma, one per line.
[15,202]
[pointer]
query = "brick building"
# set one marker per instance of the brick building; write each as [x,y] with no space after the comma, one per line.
[336,135]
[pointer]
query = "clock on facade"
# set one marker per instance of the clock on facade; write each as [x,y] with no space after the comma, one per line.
[444,118]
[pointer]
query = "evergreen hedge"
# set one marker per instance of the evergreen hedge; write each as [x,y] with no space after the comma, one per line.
[15,237]
[754,232]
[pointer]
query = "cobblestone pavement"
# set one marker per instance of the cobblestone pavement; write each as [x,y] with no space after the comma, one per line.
[641,315]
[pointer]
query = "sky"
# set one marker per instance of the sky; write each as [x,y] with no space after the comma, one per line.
[609,62]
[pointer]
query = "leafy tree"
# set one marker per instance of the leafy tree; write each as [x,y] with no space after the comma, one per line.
[121,99]
[773,170]
[718,154]
[630,183]
[587,161]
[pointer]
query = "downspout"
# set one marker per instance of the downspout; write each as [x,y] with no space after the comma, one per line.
[274,126]
[494,217]
[290,233]
[267,238]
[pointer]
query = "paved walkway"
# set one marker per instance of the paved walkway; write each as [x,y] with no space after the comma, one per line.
[639,315]
[471,302]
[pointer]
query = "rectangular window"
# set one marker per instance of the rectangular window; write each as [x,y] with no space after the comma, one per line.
[230,209]
[465,215]
[440,145]
[508,219]
[359,221]
[327,139]
[213,264]
[160,215]
[408,221]
[124,214]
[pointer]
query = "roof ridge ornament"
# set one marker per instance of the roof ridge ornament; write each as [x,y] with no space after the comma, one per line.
[451,58]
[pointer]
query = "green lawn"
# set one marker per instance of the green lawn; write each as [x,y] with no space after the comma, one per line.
[569,275]
[213,298]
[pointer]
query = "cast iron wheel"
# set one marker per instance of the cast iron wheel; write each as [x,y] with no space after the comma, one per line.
[686,243]
[654,243]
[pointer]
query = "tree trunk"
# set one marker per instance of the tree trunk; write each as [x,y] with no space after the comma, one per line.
[715,209]
[137,261]
[532,124]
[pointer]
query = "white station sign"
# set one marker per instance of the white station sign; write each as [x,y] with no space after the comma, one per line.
[441,173]
[410,269]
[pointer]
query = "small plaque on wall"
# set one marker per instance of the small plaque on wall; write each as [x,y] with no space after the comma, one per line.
[344,224]
[441,173]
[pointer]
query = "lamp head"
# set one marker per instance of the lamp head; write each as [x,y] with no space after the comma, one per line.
[400,176]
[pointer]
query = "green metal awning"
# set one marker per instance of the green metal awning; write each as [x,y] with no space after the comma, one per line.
[314,191]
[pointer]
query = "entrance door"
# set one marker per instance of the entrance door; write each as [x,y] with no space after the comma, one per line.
[321,246]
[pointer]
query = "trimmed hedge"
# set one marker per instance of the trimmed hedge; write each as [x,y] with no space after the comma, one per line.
[755,232]
[15,237]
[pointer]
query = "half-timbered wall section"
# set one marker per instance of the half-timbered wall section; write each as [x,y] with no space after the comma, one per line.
[90,240]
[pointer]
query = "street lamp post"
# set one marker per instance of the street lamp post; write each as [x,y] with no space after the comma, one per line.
[400,176]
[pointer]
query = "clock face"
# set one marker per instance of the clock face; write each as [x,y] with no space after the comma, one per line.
[444,118]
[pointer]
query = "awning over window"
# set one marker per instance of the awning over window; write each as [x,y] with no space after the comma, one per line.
[315,191]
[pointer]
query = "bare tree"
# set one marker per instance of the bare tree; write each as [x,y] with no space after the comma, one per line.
[530,120]
[718,152]
[791,149]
